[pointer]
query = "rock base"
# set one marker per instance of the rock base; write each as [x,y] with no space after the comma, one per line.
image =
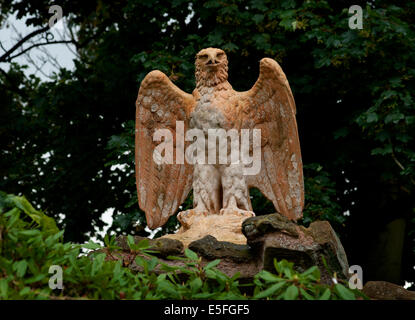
[382,290]
[274,236]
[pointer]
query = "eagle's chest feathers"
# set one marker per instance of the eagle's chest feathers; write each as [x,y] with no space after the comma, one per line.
[211,111]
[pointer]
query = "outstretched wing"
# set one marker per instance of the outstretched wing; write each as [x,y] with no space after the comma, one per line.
[161,188]
[270,106]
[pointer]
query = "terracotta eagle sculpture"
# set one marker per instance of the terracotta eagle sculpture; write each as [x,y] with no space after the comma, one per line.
[268,106]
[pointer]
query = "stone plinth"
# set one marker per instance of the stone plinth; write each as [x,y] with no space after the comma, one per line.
[274,236]
[224,226]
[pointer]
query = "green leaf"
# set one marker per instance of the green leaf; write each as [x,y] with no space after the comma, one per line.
[268,276]
[306,295]
[212,264]
[152,263]
[169,289]
[388,94]
[3,288]
[117,272]
[196,284]
[291,293]
[168,268]
[177,258]
[394,117]
[47,223]
[141,261]
[91,245]
[235,276]
[30,233]
[382,151]
[211,274]
[287,272]
[410,119]
[24,291]
[258,18]
[343,292]
[372,117]
[54,237]
[142,244]
[20,268]
[107,240]
[204,295]
[130,241]
[270,291]
[97,263]
[326,294]
[312,273]
[341,133]
[35,278]
[190,254]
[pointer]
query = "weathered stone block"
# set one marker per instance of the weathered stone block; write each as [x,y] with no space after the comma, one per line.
[382,290]
[165,247]
[274,236]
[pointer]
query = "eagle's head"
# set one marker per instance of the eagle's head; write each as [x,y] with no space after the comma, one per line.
[211,67]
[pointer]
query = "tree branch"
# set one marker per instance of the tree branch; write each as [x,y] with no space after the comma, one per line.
[5,56]
[37,45]
[38,69]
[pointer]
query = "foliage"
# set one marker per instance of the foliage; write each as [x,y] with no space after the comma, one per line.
[28,249]
[20,204]
[321,199]
[287,284]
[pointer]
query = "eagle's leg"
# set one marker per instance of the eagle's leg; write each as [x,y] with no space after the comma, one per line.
[235,189]
[206,188]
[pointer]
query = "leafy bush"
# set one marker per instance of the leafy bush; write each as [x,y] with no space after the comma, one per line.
[30,243]
[321,199]
[290,285]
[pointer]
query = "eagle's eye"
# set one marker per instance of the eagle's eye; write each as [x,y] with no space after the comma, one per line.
[219,55]
[203,56]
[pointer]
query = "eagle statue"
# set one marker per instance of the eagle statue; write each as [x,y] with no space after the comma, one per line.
[268,106]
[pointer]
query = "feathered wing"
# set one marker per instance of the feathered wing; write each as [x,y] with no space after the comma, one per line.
[270,106]
[161,188]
